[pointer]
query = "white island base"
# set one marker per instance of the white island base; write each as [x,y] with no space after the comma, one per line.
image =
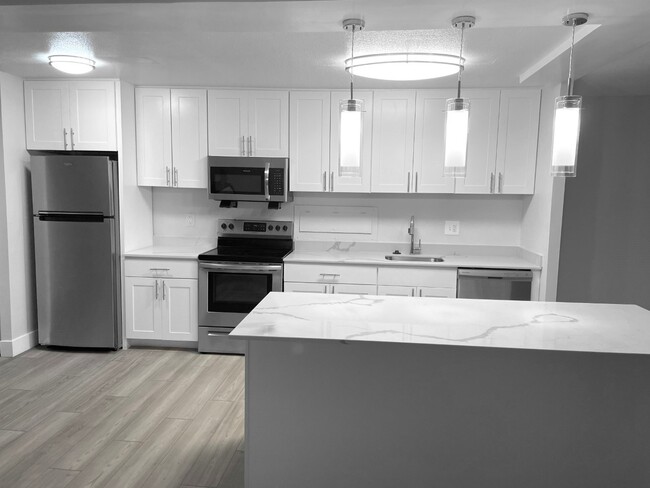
[355,412]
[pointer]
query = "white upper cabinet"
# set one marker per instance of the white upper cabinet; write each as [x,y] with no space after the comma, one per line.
[172,133]
[70,115]
[393,128]
[481,142]
[248,123]
[517,147]
[351,183]
[429,147]
[190,138]
[309,132]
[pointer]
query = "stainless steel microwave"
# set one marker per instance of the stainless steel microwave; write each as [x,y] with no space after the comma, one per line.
[248,179]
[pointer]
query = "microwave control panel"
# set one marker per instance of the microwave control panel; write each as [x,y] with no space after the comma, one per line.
[276,181]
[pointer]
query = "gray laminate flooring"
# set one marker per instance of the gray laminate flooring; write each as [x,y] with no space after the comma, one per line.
[135,418]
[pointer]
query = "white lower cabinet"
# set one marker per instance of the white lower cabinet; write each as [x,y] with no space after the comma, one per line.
[159,305]
[339,278]
[415,291]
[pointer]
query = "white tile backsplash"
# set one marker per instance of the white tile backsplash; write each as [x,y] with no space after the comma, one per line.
[484,219]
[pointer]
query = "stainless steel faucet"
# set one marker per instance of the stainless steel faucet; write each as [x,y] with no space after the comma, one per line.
[414,250]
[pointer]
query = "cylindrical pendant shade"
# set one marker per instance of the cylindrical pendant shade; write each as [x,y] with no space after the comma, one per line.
[566,134]
[350,137]
[456,130]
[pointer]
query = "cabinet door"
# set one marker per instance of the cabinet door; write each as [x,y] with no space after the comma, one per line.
[482,142]
[47,115]
[517,145]
[189,112]
[354,289]
[393,126]
[310,136]
[153,136]
[429,148]
[425,291]
[180,318]
[305,287]
[268,123]
[361,183]
[92,116]
[227,122]
[142,303]
[396,291]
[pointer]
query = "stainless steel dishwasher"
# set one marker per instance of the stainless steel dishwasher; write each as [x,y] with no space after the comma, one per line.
[495,284]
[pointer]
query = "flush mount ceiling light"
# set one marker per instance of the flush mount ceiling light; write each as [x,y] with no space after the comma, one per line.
[566,123]
[73,65]
[457,115]
[404,66]
[351,112]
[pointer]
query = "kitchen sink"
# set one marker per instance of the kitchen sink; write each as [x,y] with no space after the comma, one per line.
[409,257]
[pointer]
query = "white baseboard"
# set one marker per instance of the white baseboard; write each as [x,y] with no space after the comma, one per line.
[14,347]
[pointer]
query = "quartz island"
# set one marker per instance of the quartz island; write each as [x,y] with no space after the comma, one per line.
[370,391]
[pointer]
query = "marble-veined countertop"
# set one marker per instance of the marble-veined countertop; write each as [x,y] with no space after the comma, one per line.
[581,327]
[173,248]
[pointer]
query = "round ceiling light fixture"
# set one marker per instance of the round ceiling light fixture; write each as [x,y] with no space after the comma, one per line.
[404,66]
[73,65]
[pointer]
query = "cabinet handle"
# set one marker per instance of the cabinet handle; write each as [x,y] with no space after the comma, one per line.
[163,287]
[408,182]
[158,269]
[65,140]
[412,292]
[324,288]
[243,147]
[167,172]
[500,182]
[156,289]
[491,182]
[250,145]
[416,182]
[72,139]
[332,181]
[324,180]
[420,292]
[176,177]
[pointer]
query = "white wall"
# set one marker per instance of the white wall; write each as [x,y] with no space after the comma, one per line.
[17,286]
[486,220]
[541,221]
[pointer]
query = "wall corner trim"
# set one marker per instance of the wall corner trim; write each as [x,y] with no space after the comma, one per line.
[14,347]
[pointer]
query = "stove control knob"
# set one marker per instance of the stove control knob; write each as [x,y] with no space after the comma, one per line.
[231,227]
[223,226]
[285,228]
[277,227]
[270,227]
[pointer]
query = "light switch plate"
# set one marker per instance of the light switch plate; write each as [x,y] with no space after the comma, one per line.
[452,227]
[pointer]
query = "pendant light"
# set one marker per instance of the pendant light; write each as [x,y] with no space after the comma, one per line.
[351,114]
[566,123]
[457,114]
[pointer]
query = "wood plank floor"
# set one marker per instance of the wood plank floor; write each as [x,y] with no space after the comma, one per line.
[135,418]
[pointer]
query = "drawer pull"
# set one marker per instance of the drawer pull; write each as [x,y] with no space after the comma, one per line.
[159,269]
[333,275]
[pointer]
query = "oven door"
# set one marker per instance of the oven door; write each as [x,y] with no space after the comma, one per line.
[229,291]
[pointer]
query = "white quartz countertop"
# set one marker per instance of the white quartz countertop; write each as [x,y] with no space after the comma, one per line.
[580,327]
[377,258]
[169,252]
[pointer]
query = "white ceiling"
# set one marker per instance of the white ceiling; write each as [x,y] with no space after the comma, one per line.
[301,44]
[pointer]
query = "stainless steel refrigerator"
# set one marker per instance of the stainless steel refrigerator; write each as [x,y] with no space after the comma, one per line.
[76,237]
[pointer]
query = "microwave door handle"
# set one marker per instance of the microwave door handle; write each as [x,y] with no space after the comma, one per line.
[267,170]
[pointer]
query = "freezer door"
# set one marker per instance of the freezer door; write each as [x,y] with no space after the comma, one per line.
[62,183]
[76,283]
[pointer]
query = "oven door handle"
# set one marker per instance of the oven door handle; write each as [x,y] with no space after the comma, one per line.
[237,268]
[267,172]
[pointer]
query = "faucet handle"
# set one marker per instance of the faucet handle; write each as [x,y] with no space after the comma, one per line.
[418,250]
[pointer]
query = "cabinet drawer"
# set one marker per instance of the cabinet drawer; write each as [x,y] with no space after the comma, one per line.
[437,278]
[161,268]
[315,273]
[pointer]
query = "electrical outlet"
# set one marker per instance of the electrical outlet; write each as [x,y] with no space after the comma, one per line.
[189,220]
[452,227]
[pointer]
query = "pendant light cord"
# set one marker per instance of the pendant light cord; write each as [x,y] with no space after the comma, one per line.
[460,56]
[352,65]
[570,80]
